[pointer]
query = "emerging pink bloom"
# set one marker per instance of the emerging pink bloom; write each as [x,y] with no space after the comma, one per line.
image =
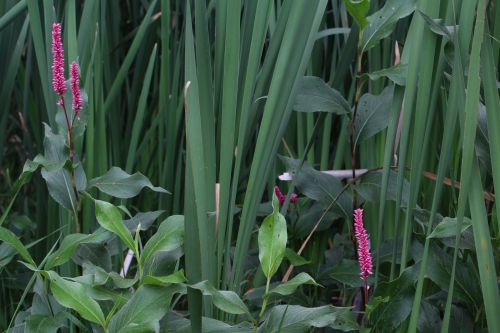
[364,256]
[282,197]
[77,102]
[58,81]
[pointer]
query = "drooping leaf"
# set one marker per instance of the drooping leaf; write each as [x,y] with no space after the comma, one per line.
[227,301]
[72,295]
[314,95]
[382,23]
[69,245]
[319,186]
[170,235]
[370,184]
[347,272]
[101,277]
[10,238]
[177,277]
[397,296]
[358,10]
[272,240]
[39,323]
[373,114]
[144,219]
[396,74]
[429,319]
[448,227]
[109,218]
[148,305]
[437,26]
[211,325]
[120,184]
[289,287]
[298,319]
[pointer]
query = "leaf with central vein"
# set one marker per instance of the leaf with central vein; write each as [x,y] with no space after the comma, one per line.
[381,23]
[10,238]
[170,235]
[272,240]
[120,184]
[72,295]
[109,218]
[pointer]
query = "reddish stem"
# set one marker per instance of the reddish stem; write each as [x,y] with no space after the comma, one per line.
[70,129]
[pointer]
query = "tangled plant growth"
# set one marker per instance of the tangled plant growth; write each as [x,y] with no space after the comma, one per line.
[378,118]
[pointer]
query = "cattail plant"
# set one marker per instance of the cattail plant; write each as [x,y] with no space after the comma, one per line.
[363,244]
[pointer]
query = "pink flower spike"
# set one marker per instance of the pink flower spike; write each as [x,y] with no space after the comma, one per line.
[364,256]
[77,102]
[58,81]
[282,197]
[279,195]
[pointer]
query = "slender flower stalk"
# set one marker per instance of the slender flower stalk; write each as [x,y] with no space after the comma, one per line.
[364,256]
[58,81]
[77,102]
[282,197]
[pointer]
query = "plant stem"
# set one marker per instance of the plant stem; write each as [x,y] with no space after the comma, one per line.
[264,304]
[70,142]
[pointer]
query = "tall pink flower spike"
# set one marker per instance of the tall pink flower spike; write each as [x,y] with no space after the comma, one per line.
[364,256]
[58,81]
[77,102]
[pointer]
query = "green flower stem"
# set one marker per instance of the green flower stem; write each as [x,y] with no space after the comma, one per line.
[264,304]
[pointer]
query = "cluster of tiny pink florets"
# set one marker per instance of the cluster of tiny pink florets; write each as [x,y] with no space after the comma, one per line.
[282,197]
[77,102]
[364,256]
[58,80]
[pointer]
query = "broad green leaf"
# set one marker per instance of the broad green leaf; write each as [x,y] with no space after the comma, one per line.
[169,236]
[101,277]
[370,186]
[177,277]
[448,227]
[40,323]
[372,115]
[272,240]
[60,188]
[120,184]
[227,301]
[396,74]
[289,287]
[145,220]
[109,218]
[437,26]
[298,319]
[358,10]
[69,245]
[152,327]
[215,326]
[347,272]
[10,238]
[294,258]
[382,23]
[148,305]
[314,95]
[319,186]
[429,320]
[386,316]
[72,295]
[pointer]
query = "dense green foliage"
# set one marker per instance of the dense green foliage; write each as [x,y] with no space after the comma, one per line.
[158,212]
